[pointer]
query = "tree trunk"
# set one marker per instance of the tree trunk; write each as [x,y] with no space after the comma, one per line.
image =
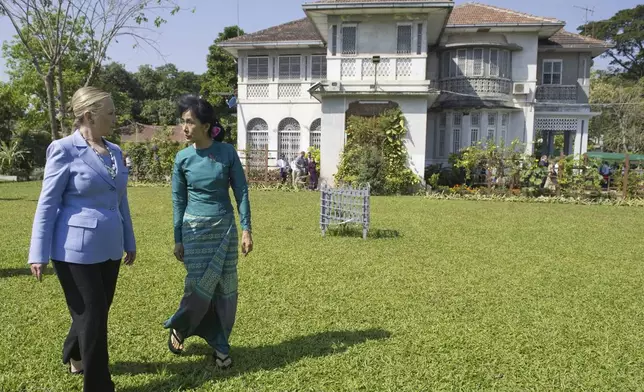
[92,74]
[61,99]
[51,103]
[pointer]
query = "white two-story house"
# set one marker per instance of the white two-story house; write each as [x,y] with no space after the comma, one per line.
[461,75]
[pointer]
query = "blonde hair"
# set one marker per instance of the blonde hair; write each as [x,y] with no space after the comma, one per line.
[87,100]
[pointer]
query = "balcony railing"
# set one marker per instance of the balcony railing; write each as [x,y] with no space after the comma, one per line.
[556,93]
[477,86]
[363,68]
[288,90]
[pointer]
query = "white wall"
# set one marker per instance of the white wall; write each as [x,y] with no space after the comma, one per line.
[377,35]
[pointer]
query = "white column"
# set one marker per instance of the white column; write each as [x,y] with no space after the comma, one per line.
[584,138]
[415,112]
[305,137]
[578,141]
[332,138]
[431,145]
[466,132]
[449,135]
[273,133]
[241,128]
[528,114]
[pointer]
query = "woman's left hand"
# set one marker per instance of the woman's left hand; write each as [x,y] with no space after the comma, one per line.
[129,258]
[247,243]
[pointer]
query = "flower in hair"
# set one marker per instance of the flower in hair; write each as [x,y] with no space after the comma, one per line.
[215,131]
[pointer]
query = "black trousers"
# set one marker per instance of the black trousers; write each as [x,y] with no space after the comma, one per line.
[89,291]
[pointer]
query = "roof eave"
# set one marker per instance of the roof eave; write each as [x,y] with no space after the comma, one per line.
[595,50]
[361,6]
[544,24]
[234,47]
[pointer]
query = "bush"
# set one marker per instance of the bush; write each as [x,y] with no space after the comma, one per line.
[152,161]
[438,175]
[25,151]
[375,153]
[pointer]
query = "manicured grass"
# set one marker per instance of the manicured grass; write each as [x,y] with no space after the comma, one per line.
[469,296]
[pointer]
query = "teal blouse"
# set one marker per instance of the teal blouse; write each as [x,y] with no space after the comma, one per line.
[200,181]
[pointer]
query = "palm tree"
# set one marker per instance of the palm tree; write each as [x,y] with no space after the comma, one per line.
[10,155]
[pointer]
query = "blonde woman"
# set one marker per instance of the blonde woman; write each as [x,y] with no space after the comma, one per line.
[82,223]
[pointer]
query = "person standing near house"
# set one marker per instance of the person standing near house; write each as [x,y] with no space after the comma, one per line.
[281,163]
[128,162]
[82,223]
[205,233]
[313,172]
[543,162]
[298,165]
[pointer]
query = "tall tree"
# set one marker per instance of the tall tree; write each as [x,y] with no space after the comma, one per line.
[47,27]
[41,27]
[160,89]
[25,78]
[625,30]
[12,108]
[622,105]
[221,77]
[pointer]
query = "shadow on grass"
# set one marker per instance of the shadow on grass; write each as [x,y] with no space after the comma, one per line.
[16,199]
[356,231]
[12,272]
[181,376]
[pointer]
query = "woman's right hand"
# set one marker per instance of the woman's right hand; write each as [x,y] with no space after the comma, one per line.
[178,251]
[37,270]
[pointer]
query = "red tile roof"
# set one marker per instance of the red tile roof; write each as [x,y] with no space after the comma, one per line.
[466,14]
[297,30]
[375,1]
[147,132]
[566,39]
[477,14]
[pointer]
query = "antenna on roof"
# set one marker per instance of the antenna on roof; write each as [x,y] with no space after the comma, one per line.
[586,10]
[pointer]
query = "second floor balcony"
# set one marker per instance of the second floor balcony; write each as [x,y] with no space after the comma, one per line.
[390,68]
[476,72]
[556,93]
[288,90]
[484,87]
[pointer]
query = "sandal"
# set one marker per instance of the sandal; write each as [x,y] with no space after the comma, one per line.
[223,362]
[171,346]
[75,367]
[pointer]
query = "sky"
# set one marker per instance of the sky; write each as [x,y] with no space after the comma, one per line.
[185,39]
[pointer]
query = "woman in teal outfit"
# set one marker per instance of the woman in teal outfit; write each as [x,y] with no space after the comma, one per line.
[205,233]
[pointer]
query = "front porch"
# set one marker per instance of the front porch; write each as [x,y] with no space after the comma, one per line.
[561,131]
[337,107]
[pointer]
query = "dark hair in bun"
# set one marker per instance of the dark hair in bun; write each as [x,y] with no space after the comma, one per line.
[204,112]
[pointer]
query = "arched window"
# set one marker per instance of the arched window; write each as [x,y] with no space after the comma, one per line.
[316,134]
[257,134]
[288,138]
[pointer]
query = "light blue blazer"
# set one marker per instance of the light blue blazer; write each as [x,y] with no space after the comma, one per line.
[83,215]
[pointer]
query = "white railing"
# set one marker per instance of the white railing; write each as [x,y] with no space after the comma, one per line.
[557,93]
[476,86]
[363,68]
[257,90]
[288,90]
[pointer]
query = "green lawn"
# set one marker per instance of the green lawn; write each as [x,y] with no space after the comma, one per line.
[470,296]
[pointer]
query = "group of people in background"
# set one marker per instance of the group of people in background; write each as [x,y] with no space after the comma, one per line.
[83,225]
[302,168]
